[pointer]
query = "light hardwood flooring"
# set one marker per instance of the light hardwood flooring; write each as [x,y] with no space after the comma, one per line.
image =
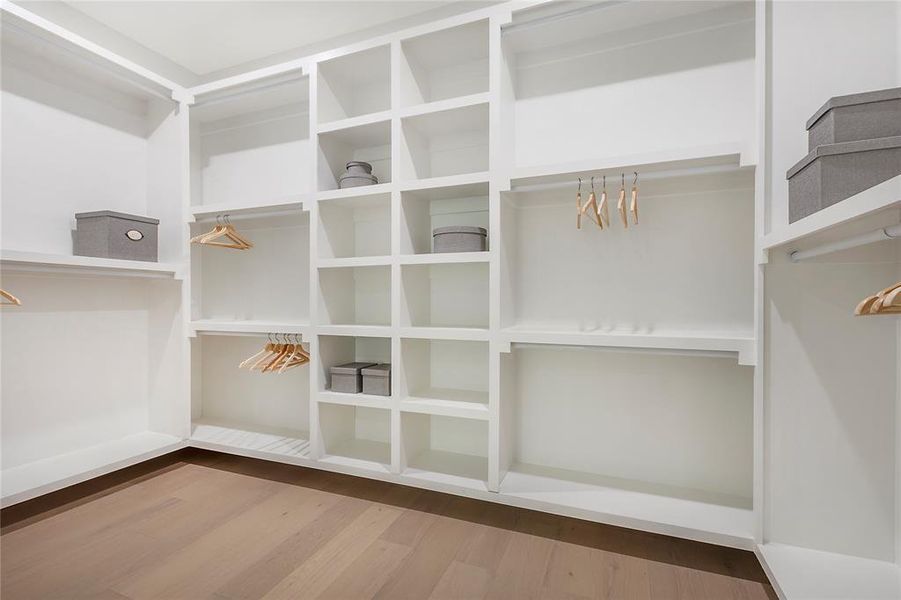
[205,525]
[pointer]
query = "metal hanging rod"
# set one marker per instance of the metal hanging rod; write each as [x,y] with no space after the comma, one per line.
[207,218]
[654,175]
[886,233]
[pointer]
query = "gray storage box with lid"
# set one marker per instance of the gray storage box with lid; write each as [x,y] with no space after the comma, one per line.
[110,234]
[377,380]
[357,173]
[856,117]
[348,378]
[460,238]
[834,172]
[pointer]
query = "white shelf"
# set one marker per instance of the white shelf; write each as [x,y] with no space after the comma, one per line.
[649,165]
[804,574]
[50,474]
[367,119]
[283,206]
[743,345]
[367,400]
[445,258]
[449,470]
[36,262]
[354,261]
[248,327]
[355,330]
[354,192]
[886,195]
[360,454]
[445,333]
[266,444]
[666,515]
[448,403]
[449,104]
[446,181]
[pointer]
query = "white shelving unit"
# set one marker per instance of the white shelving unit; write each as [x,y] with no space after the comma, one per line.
[620,376]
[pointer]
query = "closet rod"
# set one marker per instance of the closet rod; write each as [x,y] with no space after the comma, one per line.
[572,178]
[248,215]
[886,233]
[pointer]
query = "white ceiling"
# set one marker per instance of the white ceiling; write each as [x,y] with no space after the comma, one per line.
[204,37]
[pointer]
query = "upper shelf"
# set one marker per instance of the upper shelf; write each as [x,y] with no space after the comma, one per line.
[14,260]
[289,205]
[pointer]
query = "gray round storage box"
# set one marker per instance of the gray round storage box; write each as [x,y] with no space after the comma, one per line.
[357,173]
[460,238]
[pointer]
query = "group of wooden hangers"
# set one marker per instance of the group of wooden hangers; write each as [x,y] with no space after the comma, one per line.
[886,302]
[599,212]
[223,229]
[278,357]
[10,299]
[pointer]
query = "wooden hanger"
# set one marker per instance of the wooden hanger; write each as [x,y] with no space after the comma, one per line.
[590,207]
[223,229]
[602,209]
[621,202]
[266,350]
[11,300]
[886,302]
[633,206]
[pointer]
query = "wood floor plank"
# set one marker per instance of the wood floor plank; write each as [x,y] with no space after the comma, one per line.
[368,573]
[521,572]
[462,581]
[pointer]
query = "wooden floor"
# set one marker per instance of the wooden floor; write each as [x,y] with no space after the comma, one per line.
[206,525]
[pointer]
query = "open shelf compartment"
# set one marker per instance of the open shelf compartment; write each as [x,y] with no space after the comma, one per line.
[445,295]
[448,377]
[269,282]
[445,449]
[444,64]
[443,143]
[356,226]
[355,295]
[354,85]
[369,143]
[335,350]
[355,436]
[425,210]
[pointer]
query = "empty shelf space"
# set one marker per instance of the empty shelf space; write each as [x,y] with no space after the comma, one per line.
[13,260]
[355,295]
[444,64]
[250,441]
[427,209]
[369,143]
[449,142]
[445,295]
[43,476]
[355,227]
[445,377]
[355,436]
[447,446]
[354,85]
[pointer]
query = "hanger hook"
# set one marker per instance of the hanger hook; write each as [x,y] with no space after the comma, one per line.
[605,183]
[217,220]
[635,181]
[580,184]
[592,183]
[623,179]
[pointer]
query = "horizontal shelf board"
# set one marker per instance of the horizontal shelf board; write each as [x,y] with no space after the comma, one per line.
[255,327]
[445,258]
[259,442]
[886,195]
[445,181]
[804,573]
[448,403]
[50,474]
[355,330]
[366,400]
[360,454]
[14,260]
[341,124]
[743,344]
[444,333]
[354,261]
[692,519]
[449,468]
[441,105]
[354,192]
[283,206]
[662,163]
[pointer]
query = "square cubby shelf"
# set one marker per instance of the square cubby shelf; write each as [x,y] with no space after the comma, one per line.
[354,85]
[356,226]
[445,295]
[355,295]
[443,143]
[369,143]
[427,209]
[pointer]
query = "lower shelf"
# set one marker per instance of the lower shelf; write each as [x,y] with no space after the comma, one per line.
[361,454]
[44,476]
[691,519]
[449,468]
[267,444]
[803,573]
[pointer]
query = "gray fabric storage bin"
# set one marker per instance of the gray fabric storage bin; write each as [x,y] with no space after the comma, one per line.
[377,380]
[110,234]
[856,117]
[834,172]
[460,238]
[348,378]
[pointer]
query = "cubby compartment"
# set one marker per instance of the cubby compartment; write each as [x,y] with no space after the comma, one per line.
[267,283]
[445,295]
[354,85]
[444,375]
[357,226]
[258,413]
[445,449]
[622,79]
[425,210]
[369,143]
[335,350]
[686,269]
[661,437]
[251,147]
[448,142]
[355,436]
[355,295]
[444,64]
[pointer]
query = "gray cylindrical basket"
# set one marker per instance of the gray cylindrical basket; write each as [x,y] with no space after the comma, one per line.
[460,238]
[357,173]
